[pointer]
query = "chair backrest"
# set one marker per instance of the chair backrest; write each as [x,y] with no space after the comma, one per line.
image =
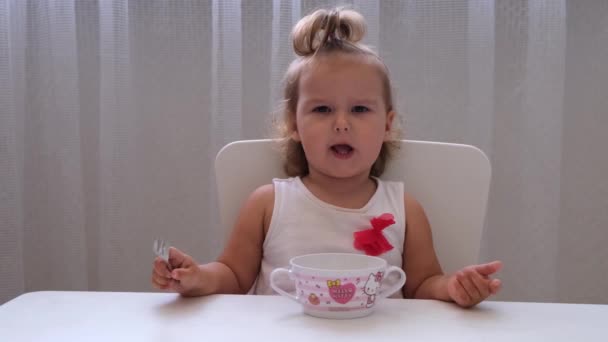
[451,181]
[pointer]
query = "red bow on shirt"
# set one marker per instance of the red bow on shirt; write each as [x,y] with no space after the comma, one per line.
[372,241]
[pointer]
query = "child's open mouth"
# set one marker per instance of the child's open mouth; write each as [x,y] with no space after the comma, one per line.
[342,151]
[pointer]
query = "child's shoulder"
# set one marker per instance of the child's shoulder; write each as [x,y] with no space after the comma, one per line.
[260,202]
[413,208]
[263,192]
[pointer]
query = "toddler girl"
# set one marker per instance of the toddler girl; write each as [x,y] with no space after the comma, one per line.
[337,129]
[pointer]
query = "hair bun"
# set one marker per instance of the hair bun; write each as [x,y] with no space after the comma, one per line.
[327,26]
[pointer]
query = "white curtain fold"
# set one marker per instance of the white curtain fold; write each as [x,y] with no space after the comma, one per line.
[111,113]
[12,59]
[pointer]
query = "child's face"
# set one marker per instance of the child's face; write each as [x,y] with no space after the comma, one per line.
[341,117]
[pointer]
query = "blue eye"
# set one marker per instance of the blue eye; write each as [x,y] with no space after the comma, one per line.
[322,109]
[360,109]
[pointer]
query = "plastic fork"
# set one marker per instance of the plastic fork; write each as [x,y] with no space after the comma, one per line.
[161,249]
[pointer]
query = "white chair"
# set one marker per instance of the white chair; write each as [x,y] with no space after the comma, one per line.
[451,181]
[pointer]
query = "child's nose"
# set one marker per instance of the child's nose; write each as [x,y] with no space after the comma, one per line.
[342,124]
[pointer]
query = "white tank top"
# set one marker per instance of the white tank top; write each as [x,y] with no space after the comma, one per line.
[303,224]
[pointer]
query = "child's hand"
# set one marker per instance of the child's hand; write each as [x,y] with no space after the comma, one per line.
[182,276]
[473,284]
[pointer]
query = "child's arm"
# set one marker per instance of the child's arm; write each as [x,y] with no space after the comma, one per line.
[419,260]
[425,279]
[238,266]
[243,253]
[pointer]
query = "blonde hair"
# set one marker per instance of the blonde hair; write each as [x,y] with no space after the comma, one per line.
[325,32]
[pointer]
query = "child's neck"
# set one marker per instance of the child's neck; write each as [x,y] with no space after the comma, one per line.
[352,193]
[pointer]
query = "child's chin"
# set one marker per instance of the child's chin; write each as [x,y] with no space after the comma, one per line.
[346,174]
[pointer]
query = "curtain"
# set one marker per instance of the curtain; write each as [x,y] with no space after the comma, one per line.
[111,113]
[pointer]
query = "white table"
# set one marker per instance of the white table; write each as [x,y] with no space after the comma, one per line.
[112,316]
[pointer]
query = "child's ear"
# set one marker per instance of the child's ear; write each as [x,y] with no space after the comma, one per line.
[295,136]
[390,116]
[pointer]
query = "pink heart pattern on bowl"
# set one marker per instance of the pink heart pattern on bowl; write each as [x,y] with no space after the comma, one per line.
[341,293]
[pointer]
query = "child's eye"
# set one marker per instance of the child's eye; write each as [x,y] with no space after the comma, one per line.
[322,109]
[360,109]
